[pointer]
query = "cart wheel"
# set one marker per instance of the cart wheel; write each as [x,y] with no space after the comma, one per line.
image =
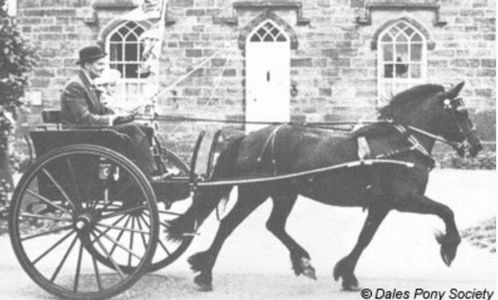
[168,251]
[74,204]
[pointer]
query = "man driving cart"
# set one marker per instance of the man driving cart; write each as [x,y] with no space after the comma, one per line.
[81,106]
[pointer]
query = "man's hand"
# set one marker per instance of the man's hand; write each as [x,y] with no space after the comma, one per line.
[123,118]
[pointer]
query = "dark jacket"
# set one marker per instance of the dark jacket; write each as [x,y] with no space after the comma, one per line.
[80,103]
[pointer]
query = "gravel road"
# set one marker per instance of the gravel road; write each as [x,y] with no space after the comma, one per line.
[255,265]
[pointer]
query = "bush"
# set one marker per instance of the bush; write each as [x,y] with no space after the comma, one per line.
[19,154]
[483,235]
[485,161]
[4,205]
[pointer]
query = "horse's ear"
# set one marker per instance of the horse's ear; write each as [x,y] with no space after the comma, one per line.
[454,91]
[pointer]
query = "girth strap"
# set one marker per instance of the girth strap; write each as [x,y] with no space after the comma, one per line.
[271,141]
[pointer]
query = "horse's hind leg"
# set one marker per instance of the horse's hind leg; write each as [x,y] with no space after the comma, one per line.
[282,206]
[345,267]
[203,262]
[423,205]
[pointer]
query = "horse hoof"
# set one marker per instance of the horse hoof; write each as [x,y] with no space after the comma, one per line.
[205,287]
[350,283]
[353,288]
[446,259]
[202,285]
[309,272]
[307,269]
[448,248]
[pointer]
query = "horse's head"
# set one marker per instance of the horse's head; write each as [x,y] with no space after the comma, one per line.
[454,123]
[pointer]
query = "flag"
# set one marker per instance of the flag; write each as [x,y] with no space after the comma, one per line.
[152,8]
[10,7]
[152,40]
[146,10]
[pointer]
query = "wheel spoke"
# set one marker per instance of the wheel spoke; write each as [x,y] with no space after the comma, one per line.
[142,235]
[59,267]
[119,235]
[52,247]
[116,266]
[118,244]
[78,269]
[61,190]
[160,222]
[47,201]
[45,232]
[132,236]
[45,217]
[97,274]
[159,240]
[124,211]
[169,213]
[164,247]
[107,230]
[122,228]
[73,179]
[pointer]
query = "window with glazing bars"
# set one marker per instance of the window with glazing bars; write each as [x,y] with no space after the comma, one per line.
[402,61]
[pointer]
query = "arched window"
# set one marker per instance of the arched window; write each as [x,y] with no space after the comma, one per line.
[268,32]
[402,59]
[125,55]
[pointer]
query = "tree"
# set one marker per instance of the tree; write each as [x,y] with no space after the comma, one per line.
[17,58]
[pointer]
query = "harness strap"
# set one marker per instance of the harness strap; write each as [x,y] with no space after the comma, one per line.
[271,140]
[364,151]
[416,145]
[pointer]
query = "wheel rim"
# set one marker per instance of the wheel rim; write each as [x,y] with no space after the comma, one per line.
[167,250]
[70,222]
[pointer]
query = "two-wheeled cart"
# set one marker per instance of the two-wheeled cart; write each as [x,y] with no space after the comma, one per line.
[86,223]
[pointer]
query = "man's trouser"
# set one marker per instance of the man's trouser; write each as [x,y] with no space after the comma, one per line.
[140,145]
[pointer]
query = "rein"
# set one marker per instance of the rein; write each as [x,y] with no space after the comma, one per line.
[324,125]
[417,145]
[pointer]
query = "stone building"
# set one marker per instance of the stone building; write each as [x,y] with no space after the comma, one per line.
[316,60]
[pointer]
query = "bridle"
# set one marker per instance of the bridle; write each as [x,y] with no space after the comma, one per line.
[456,106]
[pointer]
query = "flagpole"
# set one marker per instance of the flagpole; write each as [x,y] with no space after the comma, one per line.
[162,24]
[163,12]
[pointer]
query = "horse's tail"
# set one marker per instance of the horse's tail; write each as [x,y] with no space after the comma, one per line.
[205,201]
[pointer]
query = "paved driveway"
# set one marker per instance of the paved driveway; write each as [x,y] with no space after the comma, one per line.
[254,265]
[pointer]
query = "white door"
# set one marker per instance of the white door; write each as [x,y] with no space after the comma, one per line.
[267,75]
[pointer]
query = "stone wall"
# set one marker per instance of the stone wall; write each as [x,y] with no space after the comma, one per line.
[333,68]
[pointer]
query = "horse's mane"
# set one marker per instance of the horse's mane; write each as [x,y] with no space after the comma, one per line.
[372,130]
[401,104]
[408,98]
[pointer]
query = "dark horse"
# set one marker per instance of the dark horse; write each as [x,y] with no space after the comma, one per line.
[406,132]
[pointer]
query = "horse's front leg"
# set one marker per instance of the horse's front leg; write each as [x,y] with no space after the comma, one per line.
[423,205]
[300,259]
[345,267]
